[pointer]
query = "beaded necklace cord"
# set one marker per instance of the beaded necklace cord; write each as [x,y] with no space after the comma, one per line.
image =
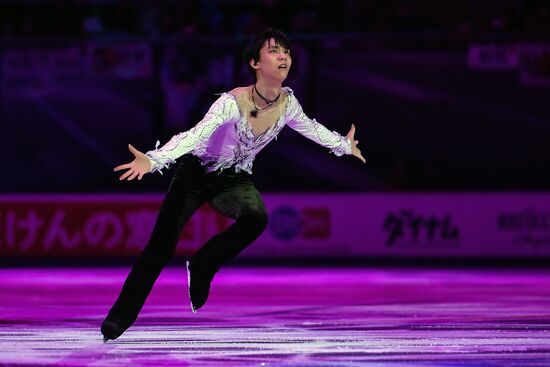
[269,102]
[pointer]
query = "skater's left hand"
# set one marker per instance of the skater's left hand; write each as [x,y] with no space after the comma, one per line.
[354,143]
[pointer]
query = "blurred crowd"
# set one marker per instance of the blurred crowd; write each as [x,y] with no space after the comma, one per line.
[69,18]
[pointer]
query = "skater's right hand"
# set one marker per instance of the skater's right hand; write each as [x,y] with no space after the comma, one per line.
[136,168]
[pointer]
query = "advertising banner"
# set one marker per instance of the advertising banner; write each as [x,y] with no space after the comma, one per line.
[91,225]
[493,57]
[535,65]
[39,71]
[120,60]
[344,225]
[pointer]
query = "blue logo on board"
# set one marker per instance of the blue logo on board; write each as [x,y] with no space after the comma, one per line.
[285,223]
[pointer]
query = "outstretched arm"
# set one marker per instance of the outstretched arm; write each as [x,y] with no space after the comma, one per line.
[311,129]
[222,110]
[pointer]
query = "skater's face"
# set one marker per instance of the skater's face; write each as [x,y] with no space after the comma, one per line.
[274,62]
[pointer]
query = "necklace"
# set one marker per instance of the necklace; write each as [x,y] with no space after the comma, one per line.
[266,100]
[269,102]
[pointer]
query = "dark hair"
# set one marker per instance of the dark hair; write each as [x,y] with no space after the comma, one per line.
[252,50]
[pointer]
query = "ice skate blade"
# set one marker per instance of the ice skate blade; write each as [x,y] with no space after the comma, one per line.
[189,286]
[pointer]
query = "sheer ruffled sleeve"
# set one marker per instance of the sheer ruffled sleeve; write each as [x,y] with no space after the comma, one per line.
[222,110]
[311,129]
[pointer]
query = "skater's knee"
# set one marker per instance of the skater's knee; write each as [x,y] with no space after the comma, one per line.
[257,218]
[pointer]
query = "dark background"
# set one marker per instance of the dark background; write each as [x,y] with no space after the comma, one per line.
[82,79]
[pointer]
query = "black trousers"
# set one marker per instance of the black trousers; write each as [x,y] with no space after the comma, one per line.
[232,194]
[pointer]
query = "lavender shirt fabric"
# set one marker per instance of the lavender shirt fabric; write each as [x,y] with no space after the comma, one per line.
[224,138]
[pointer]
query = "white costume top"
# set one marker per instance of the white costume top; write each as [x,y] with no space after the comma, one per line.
[224,138]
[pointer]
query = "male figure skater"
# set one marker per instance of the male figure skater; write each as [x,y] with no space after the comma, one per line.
[215,167]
